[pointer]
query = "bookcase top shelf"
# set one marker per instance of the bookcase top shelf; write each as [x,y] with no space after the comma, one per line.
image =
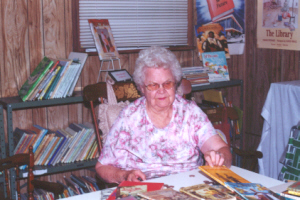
[221,84]
[17,103]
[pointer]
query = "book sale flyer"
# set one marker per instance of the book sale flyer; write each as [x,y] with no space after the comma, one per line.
[230,14]
[277,24]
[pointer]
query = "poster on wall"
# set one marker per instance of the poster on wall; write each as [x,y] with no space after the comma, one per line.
[230,14]
[277,24]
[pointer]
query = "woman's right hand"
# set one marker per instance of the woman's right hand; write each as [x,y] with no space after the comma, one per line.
[135,176]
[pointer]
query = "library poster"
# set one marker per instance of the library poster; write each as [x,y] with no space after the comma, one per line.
[228,13]
[277,24]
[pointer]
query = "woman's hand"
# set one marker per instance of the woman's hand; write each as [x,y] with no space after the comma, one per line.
[216,152]
[214,158]
[135,176]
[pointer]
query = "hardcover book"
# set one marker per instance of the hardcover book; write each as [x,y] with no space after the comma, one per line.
[211,38]
[166,194]
[223,174]
[205,191]
[220,8]
[104,40]
[35,78]
[216,62]
[150,187]
[253,191]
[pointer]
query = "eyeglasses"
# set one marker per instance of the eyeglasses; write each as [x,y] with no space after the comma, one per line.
[166,85]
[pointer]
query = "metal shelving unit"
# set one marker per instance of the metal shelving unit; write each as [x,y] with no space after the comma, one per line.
[15,103]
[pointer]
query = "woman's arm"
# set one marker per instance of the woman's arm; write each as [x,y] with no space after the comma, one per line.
[113,174]
[216,152]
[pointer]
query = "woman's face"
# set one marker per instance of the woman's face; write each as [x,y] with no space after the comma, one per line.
[161,98]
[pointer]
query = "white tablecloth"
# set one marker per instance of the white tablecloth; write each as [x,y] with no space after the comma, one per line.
[281,111]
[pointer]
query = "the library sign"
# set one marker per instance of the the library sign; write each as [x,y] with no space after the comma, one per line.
[277,24]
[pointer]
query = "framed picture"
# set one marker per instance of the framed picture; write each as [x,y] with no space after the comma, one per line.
[120,75]
[104,40]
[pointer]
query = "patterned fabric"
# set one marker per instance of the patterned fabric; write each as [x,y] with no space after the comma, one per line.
[291,162]
[135,143]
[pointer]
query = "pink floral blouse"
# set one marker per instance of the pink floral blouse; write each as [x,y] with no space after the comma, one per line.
[135,143]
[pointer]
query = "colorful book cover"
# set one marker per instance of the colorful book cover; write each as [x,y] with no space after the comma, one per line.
[150,187]
[104,40]
[220,8]
[222,174]
[216,61]
[253,191]
[64,138]
[211,38]
[35,77]
[43,83]
[49,83]
[205,191]
[165,194]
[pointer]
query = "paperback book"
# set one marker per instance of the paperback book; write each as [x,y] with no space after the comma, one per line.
[104,40]
[166,194]
[223,174]
[205,191]
[216,62]
[251,191]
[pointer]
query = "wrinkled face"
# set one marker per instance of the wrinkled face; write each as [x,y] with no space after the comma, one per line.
[164,96]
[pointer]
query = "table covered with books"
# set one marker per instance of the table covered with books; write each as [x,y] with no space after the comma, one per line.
[186,179]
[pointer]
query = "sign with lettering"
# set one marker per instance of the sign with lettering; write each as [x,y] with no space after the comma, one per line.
[277,24]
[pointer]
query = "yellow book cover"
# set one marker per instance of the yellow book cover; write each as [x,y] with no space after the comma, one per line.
[223,174]
[213,95]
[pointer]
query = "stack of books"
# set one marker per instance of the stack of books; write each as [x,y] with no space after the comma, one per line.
[196,75]
[77,142]
[53,78]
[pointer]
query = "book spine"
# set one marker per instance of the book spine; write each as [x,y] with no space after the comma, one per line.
[56,153]
[19,143]
[48,85]
[52,86]
[87,147]
[60,139]
[46,151]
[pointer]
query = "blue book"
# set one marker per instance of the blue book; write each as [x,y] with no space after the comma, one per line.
[58,148]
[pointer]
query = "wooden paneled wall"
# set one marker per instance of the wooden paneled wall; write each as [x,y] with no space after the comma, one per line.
[32,29]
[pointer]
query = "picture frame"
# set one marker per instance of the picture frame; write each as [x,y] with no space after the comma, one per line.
[121,75]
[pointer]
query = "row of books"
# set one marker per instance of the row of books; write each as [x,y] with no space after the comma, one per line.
[53,78]
[73,185]
[77,142]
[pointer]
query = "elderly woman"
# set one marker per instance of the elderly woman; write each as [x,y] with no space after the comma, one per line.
[160,133]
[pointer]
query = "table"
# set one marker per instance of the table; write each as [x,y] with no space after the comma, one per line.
[281,111]
[193,177]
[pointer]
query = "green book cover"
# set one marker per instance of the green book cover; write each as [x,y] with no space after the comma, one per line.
[35,78]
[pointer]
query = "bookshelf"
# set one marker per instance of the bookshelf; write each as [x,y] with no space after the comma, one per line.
[15,103]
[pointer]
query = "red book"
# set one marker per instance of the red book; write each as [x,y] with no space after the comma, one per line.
[150,187]
[219,8]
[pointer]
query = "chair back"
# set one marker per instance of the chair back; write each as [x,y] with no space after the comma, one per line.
[93,92]
[14,162]
[220,118]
